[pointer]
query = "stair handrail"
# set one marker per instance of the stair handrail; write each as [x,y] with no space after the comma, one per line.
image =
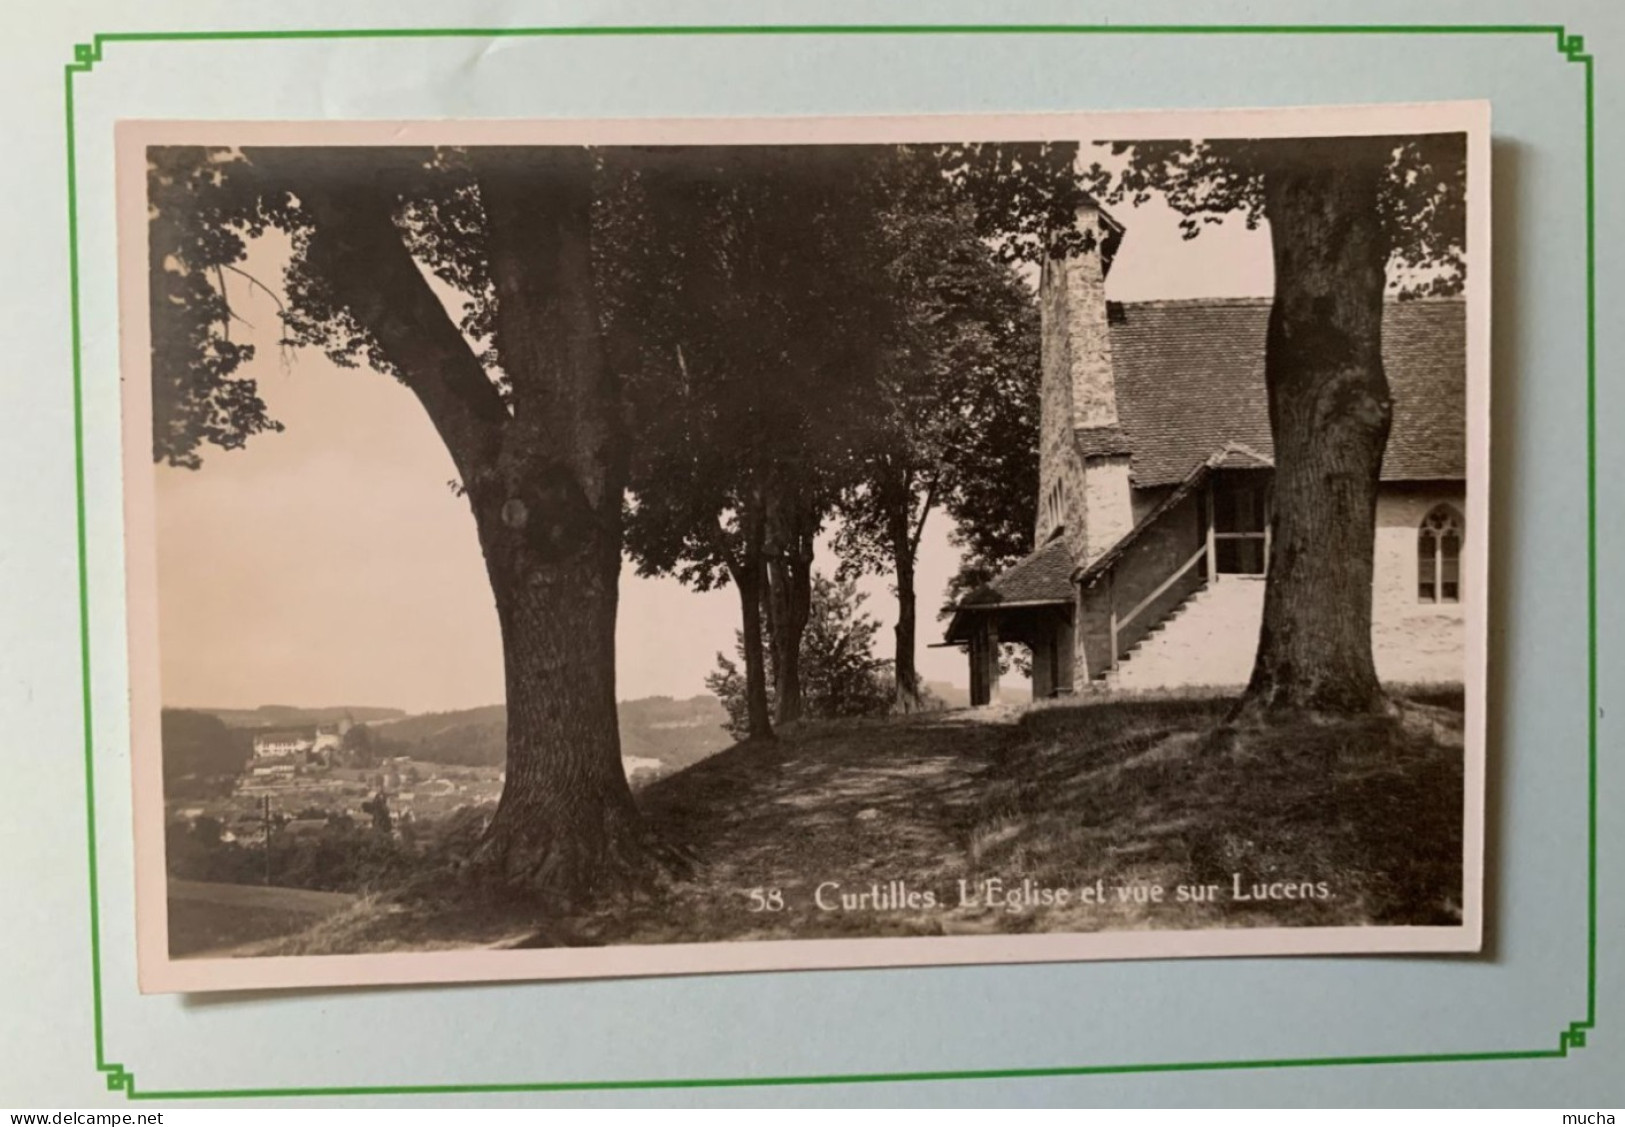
[1120,623]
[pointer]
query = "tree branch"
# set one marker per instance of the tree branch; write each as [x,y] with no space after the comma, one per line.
[719,544]
[225,303]
[267,290]
[358,253]
[567,400]
[925,511]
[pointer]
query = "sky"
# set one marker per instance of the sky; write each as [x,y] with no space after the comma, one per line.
[332,564]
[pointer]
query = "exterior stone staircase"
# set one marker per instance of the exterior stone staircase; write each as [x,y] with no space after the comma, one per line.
[1209,639]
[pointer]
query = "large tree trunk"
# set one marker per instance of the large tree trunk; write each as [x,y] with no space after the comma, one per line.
[790,534]
[789,600]
[566,825]
[1329,415]
[747,576]
[549,512]
[544,472]
[907,676]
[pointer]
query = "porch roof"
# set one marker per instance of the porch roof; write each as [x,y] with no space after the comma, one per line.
[1043,578]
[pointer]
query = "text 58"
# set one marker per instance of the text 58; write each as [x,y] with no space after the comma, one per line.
[766,900]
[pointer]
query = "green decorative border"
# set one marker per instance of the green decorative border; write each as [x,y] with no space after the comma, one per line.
[1571,47]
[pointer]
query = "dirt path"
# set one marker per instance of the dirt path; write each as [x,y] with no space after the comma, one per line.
[851,805]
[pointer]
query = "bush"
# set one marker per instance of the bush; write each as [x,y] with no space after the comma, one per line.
[840,675]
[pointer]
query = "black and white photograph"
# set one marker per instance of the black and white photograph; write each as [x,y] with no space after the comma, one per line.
[573,549]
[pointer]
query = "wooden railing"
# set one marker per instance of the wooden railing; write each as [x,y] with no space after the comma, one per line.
[1119,624]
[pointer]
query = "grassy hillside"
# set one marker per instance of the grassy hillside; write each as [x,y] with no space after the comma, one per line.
[474,737]
[676,732]
[1327,824]
[213,918]
[201,744]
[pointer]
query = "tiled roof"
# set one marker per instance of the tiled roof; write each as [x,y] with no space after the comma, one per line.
[1190,378]
[1044,576]
[1101,441]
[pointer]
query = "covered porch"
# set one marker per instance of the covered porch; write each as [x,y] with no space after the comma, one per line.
[1081,623]
[1032,605]
[1213,525]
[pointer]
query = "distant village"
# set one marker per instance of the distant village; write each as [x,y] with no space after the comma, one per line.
[297,780]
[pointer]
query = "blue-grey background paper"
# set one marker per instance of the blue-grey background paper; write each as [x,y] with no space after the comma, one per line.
[1522,994]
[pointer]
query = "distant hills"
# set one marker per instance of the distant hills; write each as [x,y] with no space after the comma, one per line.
[207,741]
[952,696]
[468,737]
[220,741]
[292,716]
[676,732]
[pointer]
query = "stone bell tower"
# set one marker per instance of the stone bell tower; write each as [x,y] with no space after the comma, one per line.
[1084,455]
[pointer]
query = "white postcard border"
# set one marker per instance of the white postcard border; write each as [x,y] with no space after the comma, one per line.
[159,973]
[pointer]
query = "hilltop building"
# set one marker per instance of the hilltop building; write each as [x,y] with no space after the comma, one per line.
[316,743]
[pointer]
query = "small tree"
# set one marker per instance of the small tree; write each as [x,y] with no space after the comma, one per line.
[753,316]
[377,807]
[955,422]
[356,747]
[840,675]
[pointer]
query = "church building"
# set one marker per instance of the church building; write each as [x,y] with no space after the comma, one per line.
[1153,514]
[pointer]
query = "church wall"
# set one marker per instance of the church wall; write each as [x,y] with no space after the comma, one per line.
[1060,469]
[1155,556]
[1092,637]
[1145,500]
[1086,490]
[1412,640]
[1107,502]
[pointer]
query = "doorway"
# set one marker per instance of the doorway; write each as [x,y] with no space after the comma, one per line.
[1239,511]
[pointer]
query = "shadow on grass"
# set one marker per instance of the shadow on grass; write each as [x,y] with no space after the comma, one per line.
[1330,823]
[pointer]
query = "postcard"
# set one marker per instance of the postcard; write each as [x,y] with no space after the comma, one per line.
[565,549]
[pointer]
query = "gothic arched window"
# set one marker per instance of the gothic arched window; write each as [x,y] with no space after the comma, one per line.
[1438,556]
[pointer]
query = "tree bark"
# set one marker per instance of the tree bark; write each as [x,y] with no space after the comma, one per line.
[904,548]
[789,557]
[549,514]
[789,599]
[1329,414]
[747,579]
[758,716]
[566,827]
